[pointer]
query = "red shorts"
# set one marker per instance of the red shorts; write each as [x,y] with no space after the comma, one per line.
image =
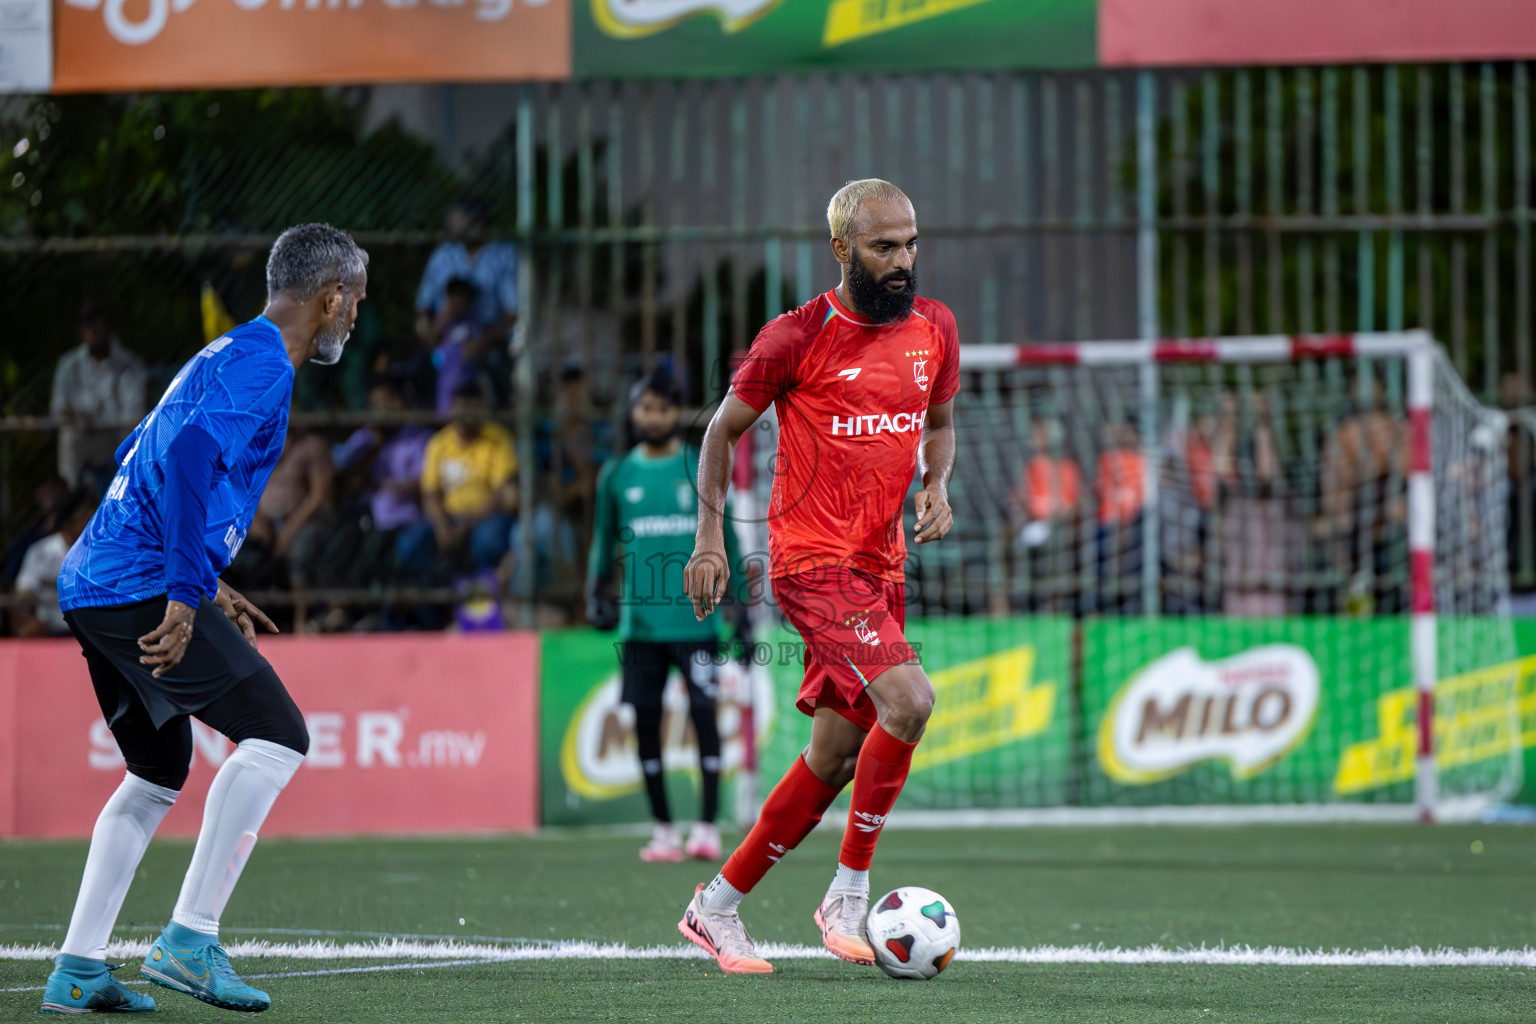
[851,625]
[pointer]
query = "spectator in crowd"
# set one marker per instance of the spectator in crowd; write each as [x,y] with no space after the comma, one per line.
[293,519]
[390,461]
[98,391]
[1364,493]
[569,447]
[1186,504]
[37,581]
[472,255]
[1120,487]
[1047,515]
[468,487]
[48,500]
[1254,543]
[458,340]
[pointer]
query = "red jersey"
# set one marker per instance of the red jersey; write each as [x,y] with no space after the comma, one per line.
[852,398]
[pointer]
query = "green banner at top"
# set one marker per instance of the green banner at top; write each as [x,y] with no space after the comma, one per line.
[688,38]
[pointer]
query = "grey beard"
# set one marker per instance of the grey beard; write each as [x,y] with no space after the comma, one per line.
[331,343]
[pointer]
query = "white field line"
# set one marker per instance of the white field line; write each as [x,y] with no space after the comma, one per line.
[413,965]
[464,952]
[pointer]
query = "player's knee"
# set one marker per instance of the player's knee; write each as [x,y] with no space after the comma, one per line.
[908,708]
[835,768]
[168,776]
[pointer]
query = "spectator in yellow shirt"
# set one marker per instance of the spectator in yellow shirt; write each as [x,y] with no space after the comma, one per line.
[468,485]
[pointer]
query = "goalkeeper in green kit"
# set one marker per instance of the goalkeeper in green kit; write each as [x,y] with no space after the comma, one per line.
[647,503]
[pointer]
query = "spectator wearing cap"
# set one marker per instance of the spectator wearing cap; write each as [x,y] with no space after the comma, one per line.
[37,582]
[98,393]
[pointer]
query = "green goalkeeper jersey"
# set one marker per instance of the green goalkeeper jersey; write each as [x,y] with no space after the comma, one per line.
[647,516]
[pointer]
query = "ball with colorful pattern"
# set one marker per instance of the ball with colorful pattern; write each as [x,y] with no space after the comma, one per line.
[914,931]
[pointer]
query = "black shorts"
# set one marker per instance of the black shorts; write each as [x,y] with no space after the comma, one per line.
[218,657]
[646,665]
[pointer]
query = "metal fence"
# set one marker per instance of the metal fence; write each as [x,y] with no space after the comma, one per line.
[672,219]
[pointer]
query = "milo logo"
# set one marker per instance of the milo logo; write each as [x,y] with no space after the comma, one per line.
[630,18]
[1249,710]
[598,752]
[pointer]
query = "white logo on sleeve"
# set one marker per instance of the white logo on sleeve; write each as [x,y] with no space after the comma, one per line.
[850,373]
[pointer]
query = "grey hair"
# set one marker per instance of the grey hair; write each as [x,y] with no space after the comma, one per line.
[307,257]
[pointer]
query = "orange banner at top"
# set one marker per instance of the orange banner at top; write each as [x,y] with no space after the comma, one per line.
[120,45]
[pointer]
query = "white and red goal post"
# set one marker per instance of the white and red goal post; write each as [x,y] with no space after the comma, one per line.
[1133,378]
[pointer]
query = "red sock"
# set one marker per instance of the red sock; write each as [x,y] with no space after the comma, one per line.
[877,780]
[790,812]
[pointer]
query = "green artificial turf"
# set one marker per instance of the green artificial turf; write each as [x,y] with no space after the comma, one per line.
[1350,887]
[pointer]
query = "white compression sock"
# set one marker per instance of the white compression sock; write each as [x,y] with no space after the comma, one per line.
[720,895]
[238,801]
[118,843]
[849,880]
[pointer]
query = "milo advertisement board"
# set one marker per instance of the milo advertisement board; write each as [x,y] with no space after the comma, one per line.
[1000,735]
[1304,710]
[589,765]
[692,38]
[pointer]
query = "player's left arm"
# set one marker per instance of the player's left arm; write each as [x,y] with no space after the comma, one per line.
[936,461]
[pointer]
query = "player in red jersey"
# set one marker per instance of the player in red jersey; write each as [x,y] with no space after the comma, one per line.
[863,379]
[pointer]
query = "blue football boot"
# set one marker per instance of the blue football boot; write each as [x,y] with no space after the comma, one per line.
[78,985]
[196,964]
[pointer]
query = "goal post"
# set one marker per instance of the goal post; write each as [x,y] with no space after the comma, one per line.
[1168,374]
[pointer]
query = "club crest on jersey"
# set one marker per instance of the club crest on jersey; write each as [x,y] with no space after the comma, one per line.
[634,494]
[858,621]
[919,359]
[685,497]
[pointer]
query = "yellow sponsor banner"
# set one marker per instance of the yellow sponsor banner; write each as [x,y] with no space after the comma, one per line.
[984,704]
[848,20]
[1477,717]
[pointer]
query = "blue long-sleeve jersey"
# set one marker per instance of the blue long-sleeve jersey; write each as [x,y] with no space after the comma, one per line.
[236,391]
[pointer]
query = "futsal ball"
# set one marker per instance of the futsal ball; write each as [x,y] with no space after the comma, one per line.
[914,931]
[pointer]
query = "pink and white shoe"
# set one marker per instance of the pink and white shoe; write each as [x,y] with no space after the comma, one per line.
[665,846]
[841,918]
[703,841]
[720,934]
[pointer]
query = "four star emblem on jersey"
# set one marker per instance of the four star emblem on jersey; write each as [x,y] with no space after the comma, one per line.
[858,621]
[919,367]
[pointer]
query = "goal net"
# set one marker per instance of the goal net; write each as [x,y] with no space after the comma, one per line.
[1265,574]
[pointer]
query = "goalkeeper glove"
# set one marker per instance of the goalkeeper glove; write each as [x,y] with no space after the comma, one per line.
[602,613]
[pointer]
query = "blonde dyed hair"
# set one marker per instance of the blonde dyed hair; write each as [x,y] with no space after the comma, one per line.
[843,210]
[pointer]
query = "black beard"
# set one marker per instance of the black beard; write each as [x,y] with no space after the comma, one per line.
[872,299]
[656,438]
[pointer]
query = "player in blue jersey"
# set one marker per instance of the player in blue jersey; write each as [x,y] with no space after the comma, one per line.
[165,639]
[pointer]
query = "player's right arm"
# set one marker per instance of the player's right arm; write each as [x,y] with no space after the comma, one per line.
[768,372]
[708,570]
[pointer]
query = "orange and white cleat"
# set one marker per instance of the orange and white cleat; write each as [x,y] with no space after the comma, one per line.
[664,848]
[703,841]
[841,918]
[721,934]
